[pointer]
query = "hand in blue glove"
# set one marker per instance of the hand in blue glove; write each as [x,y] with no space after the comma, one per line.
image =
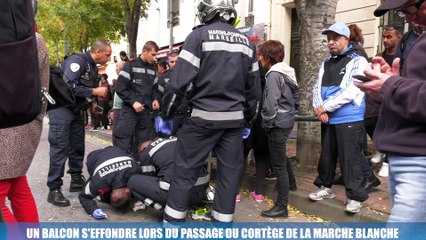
[246,133]
[157,120]
[98,214]
[165,126]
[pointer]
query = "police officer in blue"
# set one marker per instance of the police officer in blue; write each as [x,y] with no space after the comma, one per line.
[135,88]
[222,65]
[157,159]
[109,168]
[66,131]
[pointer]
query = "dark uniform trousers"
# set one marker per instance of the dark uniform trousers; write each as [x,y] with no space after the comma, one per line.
[178,121]
[66,138]
[132,123]
[193,146]
[345,143]
[149,190]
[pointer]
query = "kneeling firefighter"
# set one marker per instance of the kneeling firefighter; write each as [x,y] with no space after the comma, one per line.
[157,163]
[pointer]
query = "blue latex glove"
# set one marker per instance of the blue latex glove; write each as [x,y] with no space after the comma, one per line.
[246,133]
[157,120]
[165,126]
[98,214]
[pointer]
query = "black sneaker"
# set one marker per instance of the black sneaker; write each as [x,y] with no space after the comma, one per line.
[371,182]
[276,211]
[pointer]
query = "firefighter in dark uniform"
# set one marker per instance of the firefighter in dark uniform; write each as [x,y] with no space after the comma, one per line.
[110,169]
[157,160]
[135,88]
[66,131]
[222,65]
[183,112]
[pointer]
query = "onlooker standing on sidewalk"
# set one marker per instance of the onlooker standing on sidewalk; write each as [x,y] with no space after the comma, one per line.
[18,146]
[391,37]
[95,116]
[280,101]
[407,42]
[401,130]
[116,103]
[258,143]
[356,38]
[221,63]
[123,56]
[134,87]
[371,180]
[66,131]
[104,102]
[340,106]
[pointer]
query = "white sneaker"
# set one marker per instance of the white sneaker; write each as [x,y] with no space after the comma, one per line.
[322,193]
[138,205]
[384,170]
[353,206]
[378,157]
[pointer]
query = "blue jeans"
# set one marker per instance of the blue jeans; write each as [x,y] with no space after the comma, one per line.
[407,179]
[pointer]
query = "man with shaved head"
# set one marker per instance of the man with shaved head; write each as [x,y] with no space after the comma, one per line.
[66,132]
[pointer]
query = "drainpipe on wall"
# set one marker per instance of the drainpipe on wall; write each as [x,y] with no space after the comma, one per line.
[270,20]
[171,25]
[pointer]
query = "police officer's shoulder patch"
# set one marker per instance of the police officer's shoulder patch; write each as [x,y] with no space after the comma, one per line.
[74,67]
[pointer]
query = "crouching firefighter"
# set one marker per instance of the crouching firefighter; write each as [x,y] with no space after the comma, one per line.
[157,163]
[110,169]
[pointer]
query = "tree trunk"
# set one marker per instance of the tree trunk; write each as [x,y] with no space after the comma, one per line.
[66,45]
[58,61]
[80,42]
[314,15]
[132,24]
[86,41]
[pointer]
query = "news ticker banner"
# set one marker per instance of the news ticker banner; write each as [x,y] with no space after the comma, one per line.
[110,230]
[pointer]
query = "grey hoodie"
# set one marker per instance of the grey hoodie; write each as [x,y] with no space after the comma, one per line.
[280,98]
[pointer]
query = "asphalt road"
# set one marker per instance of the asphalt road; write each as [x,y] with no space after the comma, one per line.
[246,211]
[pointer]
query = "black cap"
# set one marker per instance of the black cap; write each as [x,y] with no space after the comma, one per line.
[388,5]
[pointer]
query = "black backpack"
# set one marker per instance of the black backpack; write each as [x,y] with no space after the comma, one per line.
[61,94]
[20,85]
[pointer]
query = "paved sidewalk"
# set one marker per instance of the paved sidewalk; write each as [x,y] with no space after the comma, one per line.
[376,208]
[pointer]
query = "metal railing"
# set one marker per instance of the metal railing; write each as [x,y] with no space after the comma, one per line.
[306,118]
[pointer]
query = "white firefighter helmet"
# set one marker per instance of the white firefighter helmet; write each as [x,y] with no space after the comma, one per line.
[208,9]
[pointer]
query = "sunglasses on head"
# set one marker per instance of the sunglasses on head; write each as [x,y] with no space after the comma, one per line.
[409,9]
